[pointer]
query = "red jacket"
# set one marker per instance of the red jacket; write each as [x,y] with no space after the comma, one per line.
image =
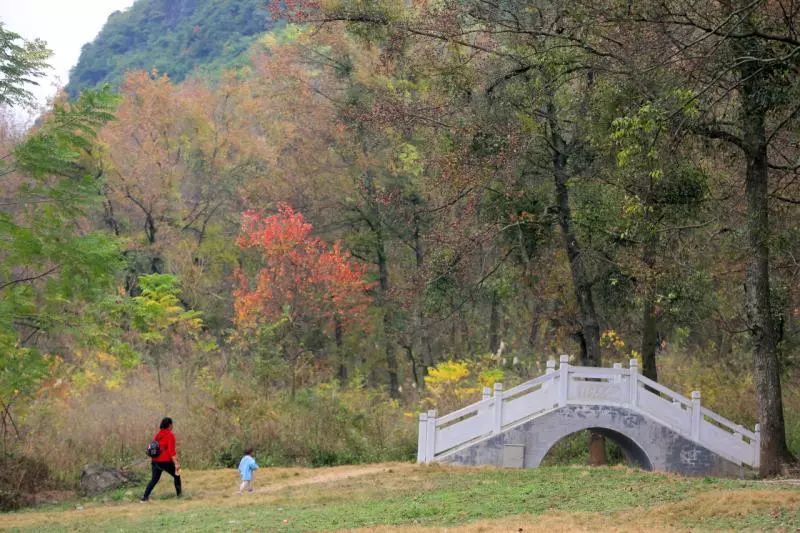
[166,442]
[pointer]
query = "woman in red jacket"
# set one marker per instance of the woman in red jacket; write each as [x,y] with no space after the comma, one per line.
[166,461]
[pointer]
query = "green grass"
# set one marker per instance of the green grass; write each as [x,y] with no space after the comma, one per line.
[403,494]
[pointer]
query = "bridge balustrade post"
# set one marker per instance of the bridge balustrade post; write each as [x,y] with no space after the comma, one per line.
[422,442]
[618,377]
[738,434]
[563,385]
[633,382]
[551,368]
[485,395]
[697,414]
[498,408]
[430,437]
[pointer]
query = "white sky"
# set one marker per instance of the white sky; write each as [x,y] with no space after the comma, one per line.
[66,25]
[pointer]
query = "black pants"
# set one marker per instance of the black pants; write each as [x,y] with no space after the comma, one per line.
[158,467]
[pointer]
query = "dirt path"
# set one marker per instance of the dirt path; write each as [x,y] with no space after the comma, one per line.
[336,474]
[204,488]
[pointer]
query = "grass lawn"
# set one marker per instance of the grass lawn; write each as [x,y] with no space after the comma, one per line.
[406,497]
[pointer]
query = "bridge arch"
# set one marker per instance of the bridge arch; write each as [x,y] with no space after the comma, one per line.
[632,452]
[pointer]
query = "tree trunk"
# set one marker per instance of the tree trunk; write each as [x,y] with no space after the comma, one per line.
[383,284]
[467,338]
[590,326]
[108,214]
[760,323]
[649,317]
[425,345]
[413,360]
[338,333]
[649,334]
[494,324]
[597,449]
[391,363]
[419,315]
[158,375]
[534,329]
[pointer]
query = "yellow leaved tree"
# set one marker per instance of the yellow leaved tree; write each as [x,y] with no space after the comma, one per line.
[453,384]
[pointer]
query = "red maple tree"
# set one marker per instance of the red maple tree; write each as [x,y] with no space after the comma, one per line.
[301,278]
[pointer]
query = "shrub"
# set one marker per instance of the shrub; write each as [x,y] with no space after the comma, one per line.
[453,384]
[21,478]
[214,422]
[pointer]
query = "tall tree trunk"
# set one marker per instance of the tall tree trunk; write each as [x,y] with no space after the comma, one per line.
[425,344]
[108,214]
[292,360]
[494,323]
[383,285]
[338,331]
[391,360]
[375,222]
[534,328]
[413,360]
[590,326]
[760,323]
[649,317]
[467,338]
[419,314]
[649,334]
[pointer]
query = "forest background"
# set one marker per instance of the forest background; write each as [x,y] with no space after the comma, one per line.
[297,235]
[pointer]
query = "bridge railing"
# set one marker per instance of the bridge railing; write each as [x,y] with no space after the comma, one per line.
[616,386]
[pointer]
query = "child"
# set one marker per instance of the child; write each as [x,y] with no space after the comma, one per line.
[246,467]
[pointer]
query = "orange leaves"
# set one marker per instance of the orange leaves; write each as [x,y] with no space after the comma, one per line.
[284,232]
[300,275]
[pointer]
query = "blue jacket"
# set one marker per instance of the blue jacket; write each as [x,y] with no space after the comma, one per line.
[246,467]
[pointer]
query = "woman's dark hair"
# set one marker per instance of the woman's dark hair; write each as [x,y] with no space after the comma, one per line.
[248,451]
[166,422]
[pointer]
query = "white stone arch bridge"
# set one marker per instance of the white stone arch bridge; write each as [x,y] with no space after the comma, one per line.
[655,427]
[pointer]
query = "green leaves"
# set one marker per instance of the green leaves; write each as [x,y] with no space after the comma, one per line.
[53,268]
[56,148]
[21,63]
[158,308]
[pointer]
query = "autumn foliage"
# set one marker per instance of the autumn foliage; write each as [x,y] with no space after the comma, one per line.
[301,277]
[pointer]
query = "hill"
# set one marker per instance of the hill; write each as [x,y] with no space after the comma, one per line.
[406,497]
[172,36]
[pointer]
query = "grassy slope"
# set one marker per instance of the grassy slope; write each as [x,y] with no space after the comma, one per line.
[409,497]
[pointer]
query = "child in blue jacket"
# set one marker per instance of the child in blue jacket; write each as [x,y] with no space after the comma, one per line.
[246,467]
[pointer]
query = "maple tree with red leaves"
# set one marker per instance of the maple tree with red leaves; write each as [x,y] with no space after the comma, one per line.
[302,280]
[316,283]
